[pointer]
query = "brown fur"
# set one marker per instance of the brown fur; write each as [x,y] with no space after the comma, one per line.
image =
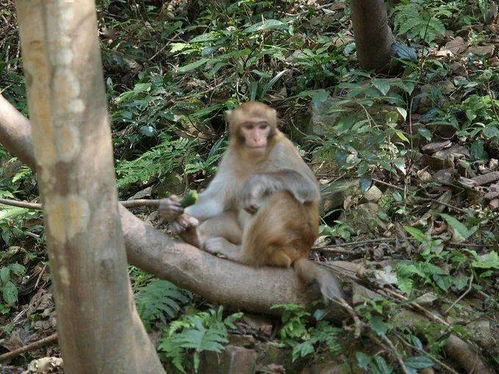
[282,231]
[275,186]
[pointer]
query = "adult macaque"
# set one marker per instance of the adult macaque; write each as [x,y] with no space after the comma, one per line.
[262,207]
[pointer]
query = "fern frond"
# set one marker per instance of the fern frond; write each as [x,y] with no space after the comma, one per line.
[203,331]
[158,299]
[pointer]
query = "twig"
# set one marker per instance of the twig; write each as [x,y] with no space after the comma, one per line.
[360,242]
[335,250]
[442,203]
[356,320]
[140,202]
[417,306]
[39,343]
[395,353]
[40,275]
[33,235]
[392,349]
[21,204]
[126,203]
[332,247]
[389,184]
[463,295]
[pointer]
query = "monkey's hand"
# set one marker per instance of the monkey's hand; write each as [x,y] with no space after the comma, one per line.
[253,192]
[252,199]
[170,209]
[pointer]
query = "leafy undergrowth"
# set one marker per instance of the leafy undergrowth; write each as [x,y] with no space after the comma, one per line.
[408,164]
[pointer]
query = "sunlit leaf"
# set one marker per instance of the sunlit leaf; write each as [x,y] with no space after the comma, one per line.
[382,85]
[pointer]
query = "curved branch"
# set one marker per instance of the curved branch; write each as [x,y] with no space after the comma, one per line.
[15,133]
[218,280]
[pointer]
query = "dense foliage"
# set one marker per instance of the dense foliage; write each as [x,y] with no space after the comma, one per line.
[172,69]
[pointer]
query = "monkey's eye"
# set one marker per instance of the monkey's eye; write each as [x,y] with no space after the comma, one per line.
[263,125]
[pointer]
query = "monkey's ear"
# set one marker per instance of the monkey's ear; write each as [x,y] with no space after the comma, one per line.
[229,119]
[273,117]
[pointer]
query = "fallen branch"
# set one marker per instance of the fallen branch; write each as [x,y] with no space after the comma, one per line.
[29,347]
[486,178]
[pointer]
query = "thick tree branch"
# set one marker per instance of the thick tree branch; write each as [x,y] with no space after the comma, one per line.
[15,133]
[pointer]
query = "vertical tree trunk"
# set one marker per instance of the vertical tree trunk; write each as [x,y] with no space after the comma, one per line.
[99,329]
[373,35]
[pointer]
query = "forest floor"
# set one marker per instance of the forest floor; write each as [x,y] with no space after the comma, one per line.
[408,164]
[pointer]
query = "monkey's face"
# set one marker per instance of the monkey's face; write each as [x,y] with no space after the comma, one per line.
[255,136]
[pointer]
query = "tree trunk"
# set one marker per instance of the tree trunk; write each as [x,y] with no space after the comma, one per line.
[373,35]
[98,326]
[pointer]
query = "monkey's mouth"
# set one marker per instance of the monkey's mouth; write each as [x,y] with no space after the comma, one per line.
[256,146]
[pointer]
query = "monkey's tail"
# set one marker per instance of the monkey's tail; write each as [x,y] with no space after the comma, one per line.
[312,273]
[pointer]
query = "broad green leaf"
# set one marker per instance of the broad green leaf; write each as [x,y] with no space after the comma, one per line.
[4,275]
[269,24]
[193,65]
[208,36]
[318,96]
[302,350]
[142,87]
[380,366]
[477,150]
[382,85]
[416,234]
[487,261]
[147,130]
[379,326]
[406,285]
[362,359]
[365,183]
[401,135]
[491,131]
[400,164]
[176,47]
[10,293]
[419,362]
[460,282]
[6,213]
[402,112]
[460,231]
[425,133]
[17,269]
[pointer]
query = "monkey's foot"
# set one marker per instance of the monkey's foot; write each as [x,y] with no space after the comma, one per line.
[222,246]
[182,223]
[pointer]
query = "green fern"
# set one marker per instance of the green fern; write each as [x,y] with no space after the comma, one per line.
[158,299]
[418,23]
[201,332]
[159,161]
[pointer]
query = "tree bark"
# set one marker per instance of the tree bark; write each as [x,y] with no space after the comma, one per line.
[373,36]
[99,329]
